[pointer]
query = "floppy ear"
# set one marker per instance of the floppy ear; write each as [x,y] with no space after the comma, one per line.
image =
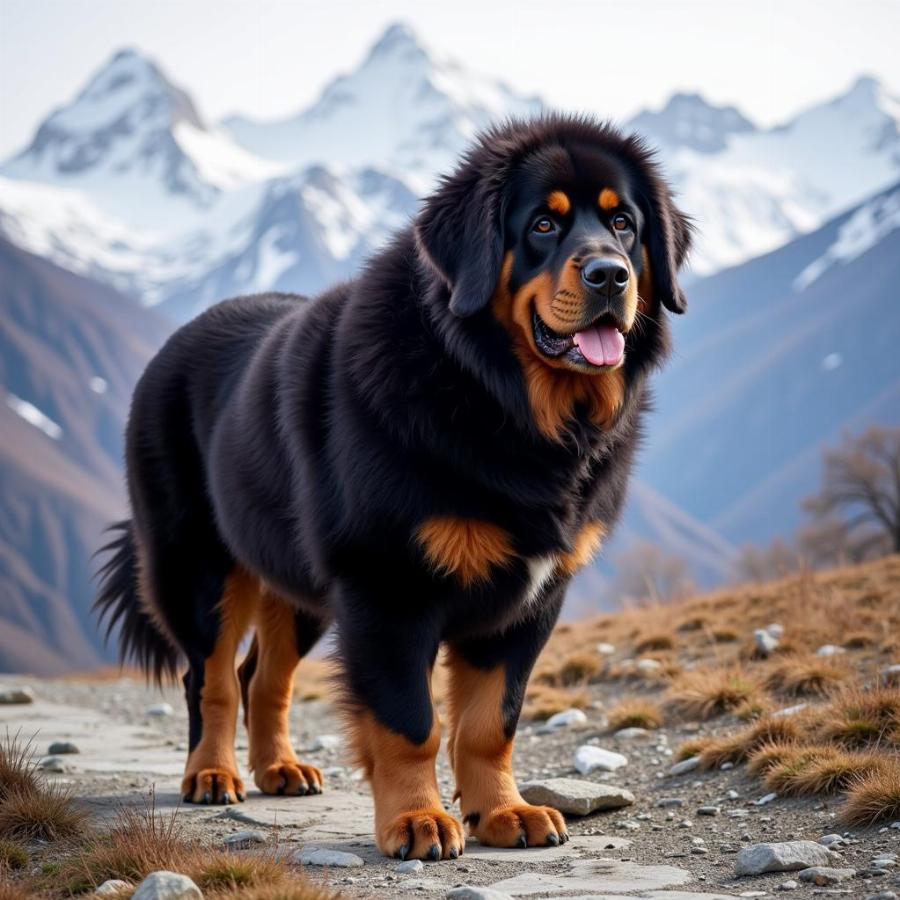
[668,241]
[460,233]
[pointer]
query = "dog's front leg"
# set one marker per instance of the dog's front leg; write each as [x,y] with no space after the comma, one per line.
[488,677]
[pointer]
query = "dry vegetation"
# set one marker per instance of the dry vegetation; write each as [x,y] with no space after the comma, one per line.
[706,668]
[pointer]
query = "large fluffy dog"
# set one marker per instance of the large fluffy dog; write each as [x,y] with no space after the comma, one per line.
[422,456]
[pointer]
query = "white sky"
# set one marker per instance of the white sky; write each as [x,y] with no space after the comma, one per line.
[269,58]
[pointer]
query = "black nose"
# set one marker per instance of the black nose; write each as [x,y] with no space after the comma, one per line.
[605,276]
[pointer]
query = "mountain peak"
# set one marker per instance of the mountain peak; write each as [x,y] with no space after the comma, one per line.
[397,40]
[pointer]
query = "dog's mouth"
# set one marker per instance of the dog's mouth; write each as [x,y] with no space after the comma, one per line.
[599,346]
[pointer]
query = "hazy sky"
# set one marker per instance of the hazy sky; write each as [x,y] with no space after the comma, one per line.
[269,58]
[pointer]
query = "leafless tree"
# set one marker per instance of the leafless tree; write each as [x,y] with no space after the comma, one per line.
[861,490]
[644,572]
[761,564]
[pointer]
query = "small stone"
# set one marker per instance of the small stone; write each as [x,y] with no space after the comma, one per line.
[575,797]
[52,764]
[895,825]
[649,665]
[765,642]
[733,795]
[890,675]
[591,759]
[789,710]
[564,719]
[410,867]
[477,893]
[245,838]
[726,766]
[666,802]
[685,766]
[15,696]
[884,862]
[824,875]
[321,856]
[167,886]
[883,895]
[160,710]
[111,888]
[629,734]
[790,885]
[790,856]
[775,629]
[766,800]
[828,840]
[829,650]
[326,742]
[708,810]
[699,851]
[606,649]
[60,748]
[686,823]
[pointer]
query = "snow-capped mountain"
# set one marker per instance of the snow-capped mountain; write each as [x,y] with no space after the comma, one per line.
[689,121]
[136,145]
[404,110]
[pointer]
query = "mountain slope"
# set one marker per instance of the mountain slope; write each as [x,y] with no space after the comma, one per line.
[775,358]
[70,352]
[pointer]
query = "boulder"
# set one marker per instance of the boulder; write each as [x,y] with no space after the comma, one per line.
[574,796]
[167,886]
[789,856]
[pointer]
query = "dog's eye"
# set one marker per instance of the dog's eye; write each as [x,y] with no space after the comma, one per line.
[544,225]
[621,223]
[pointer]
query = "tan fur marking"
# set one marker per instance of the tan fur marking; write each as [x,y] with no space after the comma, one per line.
[481,756]
[211,767]
[558,202]
[275,766]
[554,389]
[466,548]
[645,283]
[584,547]
[408,808]
[608,199]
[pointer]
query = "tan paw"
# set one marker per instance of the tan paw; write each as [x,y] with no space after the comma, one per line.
[214,785]
[428,833]
[288,777]
[519,825]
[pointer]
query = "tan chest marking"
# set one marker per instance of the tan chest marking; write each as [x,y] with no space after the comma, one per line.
[584,547]
[465,548]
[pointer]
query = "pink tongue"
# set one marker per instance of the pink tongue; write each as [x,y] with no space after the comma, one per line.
[602,345]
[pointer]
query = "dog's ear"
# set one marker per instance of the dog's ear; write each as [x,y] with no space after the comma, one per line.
[668,239]
[460,234]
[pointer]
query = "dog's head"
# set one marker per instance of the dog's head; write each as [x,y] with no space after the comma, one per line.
[566,230]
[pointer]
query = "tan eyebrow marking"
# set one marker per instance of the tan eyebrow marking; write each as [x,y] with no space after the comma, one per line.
[608,199]
[559,202]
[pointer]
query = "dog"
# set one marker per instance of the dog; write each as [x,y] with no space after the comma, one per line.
[422,457]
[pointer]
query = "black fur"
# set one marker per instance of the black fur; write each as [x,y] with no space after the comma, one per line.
[308,441]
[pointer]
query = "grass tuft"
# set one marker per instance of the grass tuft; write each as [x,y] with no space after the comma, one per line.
[769,755]
[17,768]
[875,797]
[579,669]
[836,772]
[737,747]
[662,640]
[706,693]
[47,814]
[12,855]
[543,701]
[807,676]
[860,718]
[784,776]
[635,712]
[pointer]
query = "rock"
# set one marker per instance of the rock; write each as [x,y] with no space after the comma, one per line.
[766,800]
[326,742]
[828,840]
[882,895]
[477,893]
[606,649]
[575,797]
[321,856]
[666,802]
[52,764]
[564,719]
[685,766]
[823,875]
[829,650]
[592,759]
[13,696]
[790,885]
[766,643]
[159,710]
[60,748]
[708,810]
[890,675]
[112,887]
[410,867]
[649,665]
[791,856]
[686,823]
[245,838]
[789,710]
[775,629]
[726,766]
[167,886]
[629,734]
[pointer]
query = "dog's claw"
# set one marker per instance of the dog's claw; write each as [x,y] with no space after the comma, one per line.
[552,840]
[207,798]
[403,851]
[522,842]
[226,799]
[434,852]
[187,798]
[454,852]
[241,796]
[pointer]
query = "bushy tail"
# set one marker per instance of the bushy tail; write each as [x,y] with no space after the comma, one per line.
[140,639]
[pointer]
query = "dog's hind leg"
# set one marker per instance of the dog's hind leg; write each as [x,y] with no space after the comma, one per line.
[283,636]
[212,692]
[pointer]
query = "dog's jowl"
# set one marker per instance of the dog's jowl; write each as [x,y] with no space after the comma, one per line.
[423,458]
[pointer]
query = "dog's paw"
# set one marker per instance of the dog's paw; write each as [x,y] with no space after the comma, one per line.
[212,785]
[288,777]
[429,834]
[519,825]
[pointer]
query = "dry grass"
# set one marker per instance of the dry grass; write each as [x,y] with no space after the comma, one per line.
[706,693]
[635,712]
[785,777]
[693,747]
[807,675]
[836,772]
[579,669]
[12,855]
[737,747]
[769,755]
[660,640]
[11,890]
[17,769]
[47,814]
[863,717]
[543,701]
[874,798]
[292,891]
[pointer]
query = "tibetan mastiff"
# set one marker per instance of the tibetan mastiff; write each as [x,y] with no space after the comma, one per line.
[422,457]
